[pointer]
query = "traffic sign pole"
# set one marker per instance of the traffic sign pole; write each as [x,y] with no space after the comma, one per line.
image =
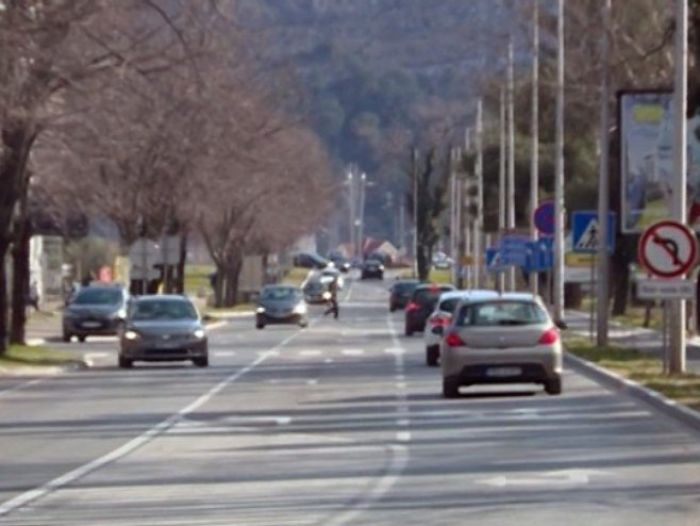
[677,322]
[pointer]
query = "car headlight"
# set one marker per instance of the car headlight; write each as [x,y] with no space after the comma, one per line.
[300,308]
[131,335]
[381,267]
[326,295]
[121,313]
[260,310]
[199,334]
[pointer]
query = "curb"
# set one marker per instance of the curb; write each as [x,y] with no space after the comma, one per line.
[612,380]
[44,370]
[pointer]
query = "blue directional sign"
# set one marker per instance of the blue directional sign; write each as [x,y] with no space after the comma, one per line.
[514,250]
[493,259]
[586,234]
[540,255]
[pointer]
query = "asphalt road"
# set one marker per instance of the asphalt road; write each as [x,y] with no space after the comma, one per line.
[341,423]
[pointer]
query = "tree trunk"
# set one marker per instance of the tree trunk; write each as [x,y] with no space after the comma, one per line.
[20,282]
[219,287]
[4,245]
[180,277]
[620,269]
[423,263]
[233,271]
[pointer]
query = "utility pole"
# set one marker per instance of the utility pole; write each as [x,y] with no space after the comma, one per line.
[535,129]
[511,156]
[415,212]
[361,226]
[479,176]
[351,206]
[466,216]
[454,208]
[680,94]
[502,181]
[604,186]
[559,173]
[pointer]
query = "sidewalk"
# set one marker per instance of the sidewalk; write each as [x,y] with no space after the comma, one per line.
[645,340]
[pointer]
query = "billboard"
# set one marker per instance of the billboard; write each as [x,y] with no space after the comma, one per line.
[646,154]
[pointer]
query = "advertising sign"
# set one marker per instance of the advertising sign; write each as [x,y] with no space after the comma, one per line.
[646,131]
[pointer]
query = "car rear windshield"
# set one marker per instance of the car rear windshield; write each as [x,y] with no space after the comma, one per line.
[163,310]
[405,287]
[501,313]
[97,296]
[428,296]
[449,305]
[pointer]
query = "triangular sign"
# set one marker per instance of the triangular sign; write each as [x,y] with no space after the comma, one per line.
[590,237]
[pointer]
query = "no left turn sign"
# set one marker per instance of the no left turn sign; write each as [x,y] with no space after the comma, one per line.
[668,249]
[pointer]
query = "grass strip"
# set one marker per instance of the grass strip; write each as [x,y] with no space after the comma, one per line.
[640,367]
[25,356]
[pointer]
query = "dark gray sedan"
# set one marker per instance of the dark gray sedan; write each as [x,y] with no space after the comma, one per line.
[163,328]
[281,304]
[95,310]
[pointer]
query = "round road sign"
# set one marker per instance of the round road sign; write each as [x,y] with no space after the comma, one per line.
[544,218]
[668,249]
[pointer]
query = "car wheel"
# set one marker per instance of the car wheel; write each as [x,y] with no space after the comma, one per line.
[432,354]
[81,338]
[259,326]
[125,363]
[450,387]
[553,386]
[67,337]
[201,362]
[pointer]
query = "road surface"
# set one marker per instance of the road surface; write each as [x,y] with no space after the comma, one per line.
[341,423]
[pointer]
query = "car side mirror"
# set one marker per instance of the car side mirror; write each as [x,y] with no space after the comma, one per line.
[439,329]
[561,324]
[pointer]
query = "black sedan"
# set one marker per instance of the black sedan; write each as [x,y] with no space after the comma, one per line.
[281,304]
[372,269]
[400,293]
[163,328]
[421,306]
[95,310]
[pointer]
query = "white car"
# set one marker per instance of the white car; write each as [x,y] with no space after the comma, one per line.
[332,274]
[507,339]
[441,318]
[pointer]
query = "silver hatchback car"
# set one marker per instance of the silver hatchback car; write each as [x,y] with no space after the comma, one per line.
[507,339]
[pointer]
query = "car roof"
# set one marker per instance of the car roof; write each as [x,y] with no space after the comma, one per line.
[469,294]
[433,286]
[163,297]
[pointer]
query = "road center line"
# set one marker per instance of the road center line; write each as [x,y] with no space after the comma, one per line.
[25,498]
[21,386]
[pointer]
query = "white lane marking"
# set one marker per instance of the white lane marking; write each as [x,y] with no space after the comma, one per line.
[328,360]
[311,352]
[224,354]
[403,422]
[270,353]
[401,385]
[395,350]
[96,355]
[21,386]
[550,478]
[400,377]
[25,498]
[215,325]
[352,352]
[403,436]
[397,464]
[311,382]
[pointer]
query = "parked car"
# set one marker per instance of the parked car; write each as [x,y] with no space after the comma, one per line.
[400,293]
[372,268]
[441,317]
[163,328]
[507,339]
[421,305]
[281,304]
[442,261]
[310,260]
[315,291]
[95,310]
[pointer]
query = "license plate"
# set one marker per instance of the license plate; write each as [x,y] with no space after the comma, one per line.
[91,324]
[503,372]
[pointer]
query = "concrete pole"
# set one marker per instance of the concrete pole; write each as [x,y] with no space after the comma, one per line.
[454,197]
[511,156]
[534,132]
[604,186]
[559,173]
[502,181]
[363,191]
[415,212]
[351,206]
[680,95]
[479,175]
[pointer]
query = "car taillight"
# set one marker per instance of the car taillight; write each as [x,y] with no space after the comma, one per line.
[412,306]
[549,336]
[453,340]
[439,321]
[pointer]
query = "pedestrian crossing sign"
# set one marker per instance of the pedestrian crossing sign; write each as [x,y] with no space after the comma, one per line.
[586,233]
